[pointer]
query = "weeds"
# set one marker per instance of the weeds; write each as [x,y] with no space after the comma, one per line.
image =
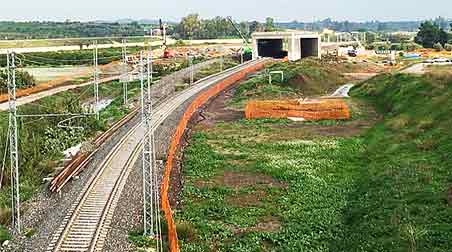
[386,190]
[4,234]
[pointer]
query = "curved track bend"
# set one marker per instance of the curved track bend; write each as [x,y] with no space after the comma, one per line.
[87,222]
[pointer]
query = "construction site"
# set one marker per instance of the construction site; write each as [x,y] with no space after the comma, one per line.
[221,135]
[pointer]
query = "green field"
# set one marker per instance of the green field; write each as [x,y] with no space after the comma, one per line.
[378,182]
[65,42]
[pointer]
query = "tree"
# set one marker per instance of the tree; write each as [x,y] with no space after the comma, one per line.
[442,23]
[269,24]
[443,37]
[190,25]
[23,80]
[371,37]
[430,34]
[255,27]
[245,29]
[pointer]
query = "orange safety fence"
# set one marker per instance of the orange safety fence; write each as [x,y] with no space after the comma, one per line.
[314,110]
[176,138]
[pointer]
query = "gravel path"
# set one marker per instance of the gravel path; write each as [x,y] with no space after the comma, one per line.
[128,215]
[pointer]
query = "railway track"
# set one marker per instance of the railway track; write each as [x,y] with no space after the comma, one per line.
[87,222]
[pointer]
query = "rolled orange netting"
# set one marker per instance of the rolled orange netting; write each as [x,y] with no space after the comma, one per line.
[314,110]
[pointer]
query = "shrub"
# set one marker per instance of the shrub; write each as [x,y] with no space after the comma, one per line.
[438,47]
[185,230]
[23,80]
[409,47]
[5,216]
[30,232]
[180,42]
[4,234]
[448,47]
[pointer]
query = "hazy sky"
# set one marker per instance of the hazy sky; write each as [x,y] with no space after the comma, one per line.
[281,10]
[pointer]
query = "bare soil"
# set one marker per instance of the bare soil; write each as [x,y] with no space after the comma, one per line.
[266,224]
[253,199]
[237,180]
[217,111]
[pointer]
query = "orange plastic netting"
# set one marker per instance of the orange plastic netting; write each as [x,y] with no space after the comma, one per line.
[176,138]
[313,110]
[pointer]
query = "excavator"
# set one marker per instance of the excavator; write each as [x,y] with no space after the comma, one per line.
[246,50]
[167,53]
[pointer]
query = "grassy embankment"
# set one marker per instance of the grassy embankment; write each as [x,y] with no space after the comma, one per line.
[368,184]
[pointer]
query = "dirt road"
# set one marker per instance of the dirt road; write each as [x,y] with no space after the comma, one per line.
[34,97]
[415,69]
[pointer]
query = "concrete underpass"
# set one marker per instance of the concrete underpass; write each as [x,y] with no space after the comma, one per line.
[279,45]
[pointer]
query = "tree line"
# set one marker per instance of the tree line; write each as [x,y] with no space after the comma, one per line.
[193,27]
[47,30]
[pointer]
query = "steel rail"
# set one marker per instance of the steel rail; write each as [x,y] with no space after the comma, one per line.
[87,222]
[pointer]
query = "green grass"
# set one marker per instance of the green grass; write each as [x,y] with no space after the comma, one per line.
[407,177]
[213,69]
[4,234]
[308,77]
[387,189]
[313,177]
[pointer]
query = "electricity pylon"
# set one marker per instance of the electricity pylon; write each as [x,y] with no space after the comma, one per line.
[151,202]
[13,143]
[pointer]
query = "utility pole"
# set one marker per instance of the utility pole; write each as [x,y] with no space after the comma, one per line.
[125,71]
[151,205]
[96,80]
[13,143]
[14,136]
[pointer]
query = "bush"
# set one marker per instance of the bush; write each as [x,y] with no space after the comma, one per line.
[409,47]
[23,80]
[5,216]
[4,234]
[396,47]
[180,42]
[448,47]
[438,47]
[185,230]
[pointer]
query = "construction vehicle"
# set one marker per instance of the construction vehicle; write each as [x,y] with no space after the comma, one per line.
[167,53]
[246,50]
